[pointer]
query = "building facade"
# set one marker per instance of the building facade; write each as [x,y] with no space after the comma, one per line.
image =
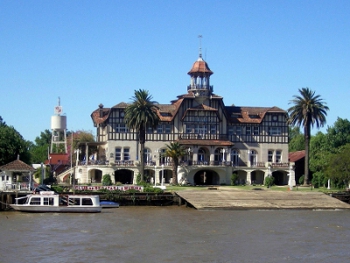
[220,140]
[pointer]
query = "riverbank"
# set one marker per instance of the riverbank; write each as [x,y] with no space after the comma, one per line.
[222,197]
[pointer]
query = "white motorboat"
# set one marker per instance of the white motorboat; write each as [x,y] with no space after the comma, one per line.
[49,201]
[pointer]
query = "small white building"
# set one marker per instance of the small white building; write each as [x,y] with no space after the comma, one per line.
[16,175]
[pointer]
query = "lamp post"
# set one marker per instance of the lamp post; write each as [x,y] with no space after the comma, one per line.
[155,184]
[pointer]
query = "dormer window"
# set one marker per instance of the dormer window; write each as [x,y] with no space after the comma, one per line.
[165,114]
[236,115]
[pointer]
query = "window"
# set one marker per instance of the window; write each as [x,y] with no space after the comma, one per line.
[35,201]
[212,129]
[274,131]
[235,157]
[201,155]
[238,130]
[86,201]
[48,200]
[121,128]
[126,154]
[248,130]
[167,128]
[118,154]
[230,130]
[270,156]
[256,130]
[160,129]
[163,128]
[278,156]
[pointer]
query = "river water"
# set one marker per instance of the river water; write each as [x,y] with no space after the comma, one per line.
[176,234]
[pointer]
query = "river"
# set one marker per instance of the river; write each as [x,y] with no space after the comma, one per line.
[176,234]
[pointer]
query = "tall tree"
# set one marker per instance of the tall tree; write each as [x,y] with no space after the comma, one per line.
[339,134]
[175,151]
[296,140]
[39,150]
[338,168]
[140,115]
[12,145]
[308,110]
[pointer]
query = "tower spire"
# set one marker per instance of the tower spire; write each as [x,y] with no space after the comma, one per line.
[200,45]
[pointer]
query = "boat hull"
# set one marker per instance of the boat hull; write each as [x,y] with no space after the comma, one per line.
[53,209]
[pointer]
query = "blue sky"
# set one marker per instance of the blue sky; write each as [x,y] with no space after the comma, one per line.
[92,52]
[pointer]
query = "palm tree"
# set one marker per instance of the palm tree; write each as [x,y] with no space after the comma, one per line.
[139,116]
[308,110]
[175,151]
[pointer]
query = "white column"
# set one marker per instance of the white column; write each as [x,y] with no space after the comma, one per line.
[249,178]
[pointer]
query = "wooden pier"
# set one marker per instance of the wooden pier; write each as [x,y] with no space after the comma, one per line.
[261,199]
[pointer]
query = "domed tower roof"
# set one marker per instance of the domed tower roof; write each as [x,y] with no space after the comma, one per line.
[200,67]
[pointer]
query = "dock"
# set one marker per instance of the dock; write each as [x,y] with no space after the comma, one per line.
[259,199]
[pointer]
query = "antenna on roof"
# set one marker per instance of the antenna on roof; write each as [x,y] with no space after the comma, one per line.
[200,45]
[59,101]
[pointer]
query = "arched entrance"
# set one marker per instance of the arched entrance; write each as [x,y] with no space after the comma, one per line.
[257,177]
[279,178]
[206,177]
[95,176]
[123,176]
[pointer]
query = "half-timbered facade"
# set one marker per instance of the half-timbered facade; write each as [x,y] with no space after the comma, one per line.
[220,140]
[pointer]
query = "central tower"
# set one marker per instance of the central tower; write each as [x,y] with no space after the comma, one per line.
[200,78]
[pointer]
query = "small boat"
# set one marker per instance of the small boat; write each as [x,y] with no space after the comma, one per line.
[49,201]
[108,204]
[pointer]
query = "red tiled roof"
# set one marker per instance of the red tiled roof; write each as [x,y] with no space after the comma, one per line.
[57,158]
[200,66]
[249,114]
[296,156]
[17,166]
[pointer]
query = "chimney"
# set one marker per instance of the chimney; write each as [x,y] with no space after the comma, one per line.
[101,110]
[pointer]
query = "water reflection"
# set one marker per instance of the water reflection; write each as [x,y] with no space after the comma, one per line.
[176,234]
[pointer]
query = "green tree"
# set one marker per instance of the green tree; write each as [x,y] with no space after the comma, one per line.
[338,135]
[175,151]
[12,145]
[139,116]
[39,151]
[319,156]
[296,140]
[77,140]
[308,110]
[338,168]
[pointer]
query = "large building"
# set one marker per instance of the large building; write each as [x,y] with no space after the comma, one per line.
[220,140]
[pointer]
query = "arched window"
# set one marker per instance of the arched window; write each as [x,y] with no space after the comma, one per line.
[253,157]
[201,155]
[147,156]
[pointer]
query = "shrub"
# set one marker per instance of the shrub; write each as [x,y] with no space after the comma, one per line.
[138,178]
[106,180]
[234,178]
[269,181]
[301,179]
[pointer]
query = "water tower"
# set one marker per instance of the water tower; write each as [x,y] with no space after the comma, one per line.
[58,127]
